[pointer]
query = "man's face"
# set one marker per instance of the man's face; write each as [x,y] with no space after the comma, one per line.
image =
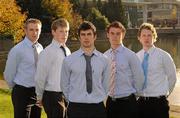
[146,38]
[115,36]
[33,31]
[87,38]
[61,34]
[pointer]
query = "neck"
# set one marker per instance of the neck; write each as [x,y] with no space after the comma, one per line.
[147,48]
[115,46]
[88,51]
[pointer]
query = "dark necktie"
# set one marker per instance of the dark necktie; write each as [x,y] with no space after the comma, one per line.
[145,67]
[63,49]
[88,73]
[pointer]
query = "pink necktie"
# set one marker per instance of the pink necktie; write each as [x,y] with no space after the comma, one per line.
[113,72]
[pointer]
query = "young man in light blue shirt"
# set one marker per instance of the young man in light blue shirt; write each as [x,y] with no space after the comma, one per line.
[126,75]
[20,70]
[85,77]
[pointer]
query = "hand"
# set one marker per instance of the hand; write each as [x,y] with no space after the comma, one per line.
[39,103]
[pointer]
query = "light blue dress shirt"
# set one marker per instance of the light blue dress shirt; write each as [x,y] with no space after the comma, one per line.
[20,66]
[49,69]
[73,78]
[129,76]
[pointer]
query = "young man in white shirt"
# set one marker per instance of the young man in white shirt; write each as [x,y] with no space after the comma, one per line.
[48,73]
[160,75]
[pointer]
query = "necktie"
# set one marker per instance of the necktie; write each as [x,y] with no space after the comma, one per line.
[35,53]
[63,49]
[113,72]
[88,73]
[145,68]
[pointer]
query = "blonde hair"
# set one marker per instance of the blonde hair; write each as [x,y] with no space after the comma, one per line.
[150,27]
[61,22]
[32,20]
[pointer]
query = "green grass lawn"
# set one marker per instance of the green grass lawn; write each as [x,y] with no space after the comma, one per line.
[6,108]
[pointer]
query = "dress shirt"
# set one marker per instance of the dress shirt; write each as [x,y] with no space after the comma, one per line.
[49,68]
[161,75]
[73,77]
[20,66]
[129,76]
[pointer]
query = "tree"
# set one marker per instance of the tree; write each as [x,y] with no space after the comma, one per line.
[97,19]
[115,11]
[84,10]
[100,6]
[62,9]
[76,5]
[11,20]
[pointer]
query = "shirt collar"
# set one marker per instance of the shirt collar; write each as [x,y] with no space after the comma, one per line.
[119,49]
[28,42]
[81,52]
[151,50]
[56,43]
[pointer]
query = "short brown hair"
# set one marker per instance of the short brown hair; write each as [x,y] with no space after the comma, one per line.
[150,27]
[32,20]
[61,22]
[116,24]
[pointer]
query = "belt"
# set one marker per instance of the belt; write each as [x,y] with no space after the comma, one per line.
[152,98]
[123,98]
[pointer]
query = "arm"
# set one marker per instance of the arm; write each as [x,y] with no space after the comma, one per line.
[106,76]
[11,67]
[41,74]
[137,72]
[65,79]
[170,71]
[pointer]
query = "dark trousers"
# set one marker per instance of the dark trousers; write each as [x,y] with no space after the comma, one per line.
[122,107]
[83,110]
[53,103]
[24,100]
[152,107]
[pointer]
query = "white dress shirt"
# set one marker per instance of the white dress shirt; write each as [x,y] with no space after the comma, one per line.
[20,66]
[73,78]
[129,76]
[161,75]
[49,69]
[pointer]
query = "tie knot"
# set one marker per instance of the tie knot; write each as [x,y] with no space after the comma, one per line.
[34,45]
[146,55]
[88,57]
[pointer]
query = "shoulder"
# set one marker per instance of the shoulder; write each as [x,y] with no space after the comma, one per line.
[17,48]
[162,53]
[107,52]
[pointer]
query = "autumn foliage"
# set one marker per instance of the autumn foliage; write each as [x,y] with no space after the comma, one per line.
[11,20]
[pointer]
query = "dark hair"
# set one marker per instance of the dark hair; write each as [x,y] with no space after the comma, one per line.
[86,25]
[116,24]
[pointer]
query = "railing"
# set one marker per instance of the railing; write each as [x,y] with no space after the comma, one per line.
[3,55]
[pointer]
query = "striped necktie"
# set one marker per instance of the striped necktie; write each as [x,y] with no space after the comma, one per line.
[145,67]
[113,72]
